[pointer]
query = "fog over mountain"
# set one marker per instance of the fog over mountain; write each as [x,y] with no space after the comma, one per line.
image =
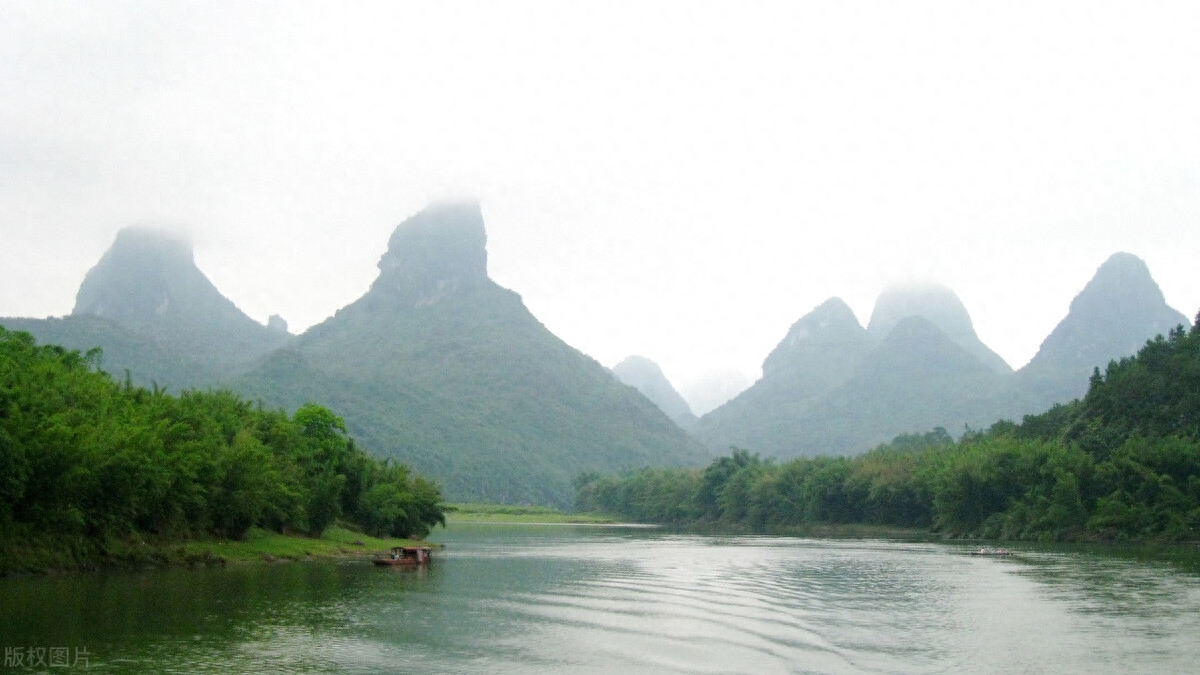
[833,387]
[435,365]
[156,315]
[644,375]
[940,306]
[714,388]
[440,367]
[687,195]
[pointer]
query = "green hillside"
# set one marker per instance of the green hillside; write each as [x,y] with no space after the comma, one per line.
[440,367]
[436,365]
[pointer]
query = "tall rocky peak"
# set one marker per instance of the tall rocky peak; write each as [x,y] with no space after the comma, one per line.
[647,377]
[433,254]
[161,317]
[442,368]
[1113,316]
[830,326]
[150,277]
[1121,285]
[938,305]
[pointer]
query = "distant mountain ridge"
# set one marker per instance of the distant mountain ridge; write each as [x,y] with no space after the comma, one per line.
[440,367]
[833,387]
[647,377]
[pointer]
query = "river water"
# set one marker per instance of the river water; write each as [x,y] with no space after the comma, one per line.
[551,599]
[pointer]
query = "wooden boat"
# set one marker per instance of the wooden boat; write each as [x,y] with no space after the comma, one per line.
[992,551]
[406,556]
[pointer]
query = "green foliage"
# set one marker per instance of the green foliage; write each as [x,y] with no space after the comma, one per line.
[1154,394]
[83,456]
[473,390]
[1121,464]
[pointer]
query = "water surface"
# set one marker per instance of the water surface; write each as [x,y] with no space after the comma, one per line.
[521,599]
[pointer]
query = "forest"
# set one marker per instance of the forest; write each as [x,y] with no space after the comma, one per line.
[86,460]
[1121,464]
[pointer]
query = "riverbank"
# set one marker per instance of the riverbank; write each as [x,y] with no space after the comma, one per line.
[536,515]
[268,546]
[53,555]
[47,554]
[504,513]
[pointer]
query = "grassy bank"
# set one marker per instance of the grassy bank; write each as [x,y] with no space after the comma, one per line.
[337,542]
[502,513]
[58,554]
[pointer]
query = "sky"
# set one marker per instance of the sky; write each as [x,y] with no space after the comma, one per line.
[678,180]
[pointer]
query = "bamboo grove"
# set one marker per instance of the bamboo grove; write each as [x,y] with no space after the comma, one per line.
[1121,464]
[86,459]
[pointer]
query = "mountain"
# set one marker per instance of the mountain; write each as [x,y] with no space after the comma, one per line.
[832,387]
[917,379]
[155,314]
[1113,316]
[647,377]
[440,367]
[821,349]
[820,352]
[941,307]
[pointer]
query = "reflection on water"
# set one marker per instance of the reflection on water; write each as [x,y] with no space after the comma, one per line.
[547,599]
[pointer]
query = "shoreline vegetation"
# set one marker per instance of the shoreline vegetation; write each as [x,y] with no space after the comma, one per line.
[96,472]
[267,546]
[50,555]
[1120,465]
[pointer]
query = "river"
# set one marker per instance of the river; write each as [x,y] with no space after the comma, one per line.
[551,599]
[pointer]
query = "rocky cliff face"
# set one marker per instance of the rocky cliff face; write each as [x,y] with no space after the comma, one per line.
[438,252]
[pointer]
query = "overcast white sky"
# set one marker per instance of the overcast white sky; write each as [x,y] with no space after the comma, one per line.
[677,180]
